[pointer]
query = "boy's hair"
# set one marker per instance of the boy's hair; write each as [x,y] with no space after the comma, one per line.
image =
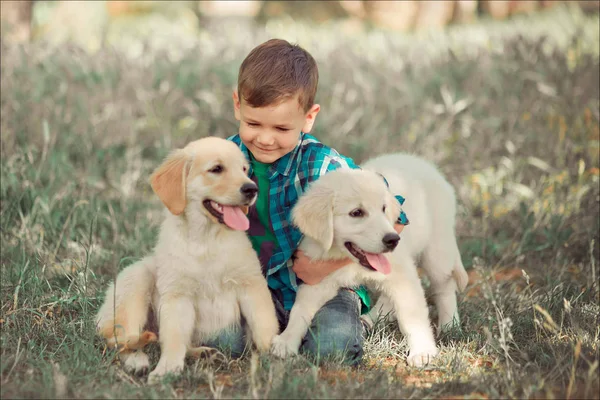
[277,70]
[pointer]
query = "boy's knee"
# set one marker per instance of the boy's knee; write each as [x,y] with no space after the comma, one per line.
[231,342]
[336,331]
[232,349]
[339,342]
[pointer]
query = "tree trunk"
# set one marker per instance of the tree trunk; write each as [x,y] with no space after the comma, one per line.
[16,20]
[318,11]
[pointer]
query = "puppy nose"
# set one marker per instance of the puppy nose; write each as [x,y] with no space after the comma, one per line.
[249,190]
[390,240]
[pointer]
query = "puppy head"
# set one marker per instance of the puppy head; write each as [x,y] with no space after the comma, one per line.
[353,211]
[210,175]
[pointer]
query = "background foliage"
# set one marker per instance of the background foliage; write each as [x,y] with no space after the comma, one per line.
[509,111]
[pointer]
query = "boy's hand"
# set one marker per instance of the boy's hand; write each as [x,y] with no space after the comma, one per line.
[312,272]
[398,228]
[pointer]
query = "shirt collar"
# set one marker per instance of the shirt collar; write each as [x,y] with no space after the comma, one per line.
[285,164]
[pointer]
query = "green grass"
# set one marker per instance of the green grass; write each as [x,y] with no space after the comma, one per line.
[509,111]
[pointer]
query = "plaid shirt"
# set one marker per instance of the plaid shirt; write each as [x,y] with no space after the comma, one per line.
[289,178]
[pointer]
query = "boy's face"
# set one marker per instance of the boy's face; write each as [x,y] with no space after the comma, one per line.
[271,132]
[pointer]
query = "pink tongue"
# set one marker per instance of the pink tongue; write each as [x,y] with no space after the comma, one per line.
[379,262]
[235,218]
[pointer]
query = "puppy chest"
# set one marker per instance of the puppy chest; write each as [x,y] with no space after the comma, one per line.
[216,313]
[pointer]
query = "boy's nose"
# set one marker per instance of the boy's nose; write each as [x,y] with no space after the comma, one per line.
[265,139]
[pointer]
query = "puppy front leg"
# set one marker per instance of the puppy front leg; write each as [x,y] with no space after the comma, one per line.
[259,311]
[382,310]
[309,300]
[176,324]
[408,298]
[444,297]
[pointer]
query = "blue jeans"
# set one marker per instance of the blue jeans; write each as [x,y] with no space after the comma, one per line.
[336,331]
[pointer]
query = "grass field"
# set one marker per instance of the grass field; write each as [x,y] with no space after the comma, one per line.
[509,111]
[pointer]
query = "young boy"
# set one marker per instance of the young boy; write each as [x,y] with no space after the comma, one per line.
[274,103]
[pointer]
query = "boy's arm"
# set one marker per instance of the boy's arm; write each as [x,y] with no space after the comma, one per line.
[313,272]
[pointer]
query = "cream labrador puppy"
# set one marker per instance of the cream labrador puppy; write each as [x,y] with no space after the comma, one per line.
[203,274]
[350,213]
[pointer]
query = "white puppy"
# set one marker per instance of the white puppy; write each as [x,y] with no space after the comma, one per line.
[350,213]
[203,273]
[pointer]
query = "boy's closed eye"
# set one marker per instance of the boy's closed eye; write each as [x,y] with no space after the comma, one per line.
[279,128]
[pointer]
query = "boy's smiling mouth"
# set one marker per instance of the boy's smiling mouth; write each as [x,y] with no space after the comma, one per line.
[264,150]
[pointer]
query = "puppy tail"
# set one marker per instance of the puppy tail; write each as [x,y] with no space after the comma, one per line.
[132,342]
[460,275]
[124,314]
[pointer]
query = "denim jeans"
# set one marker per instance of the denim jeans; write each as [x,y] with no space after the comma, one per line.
[336,331]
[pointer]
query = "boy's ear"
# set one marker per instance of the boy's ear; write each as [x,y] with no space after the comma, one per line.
[311,115]
[313,215]
[236,105]
[169,181]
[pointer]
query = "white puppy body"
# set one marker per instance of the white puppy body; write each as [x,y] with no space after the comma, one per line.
[333,200]
[203,273]
[430,238]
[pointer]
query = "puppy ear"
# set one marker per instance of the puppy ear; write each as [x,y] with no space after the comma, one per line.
[169,180]
[392,208]
[313,215]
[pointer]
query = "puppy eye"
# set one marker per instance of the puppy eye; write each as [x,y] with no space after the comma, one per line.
[217,169]
[383,209]
[245,169]
[357,213]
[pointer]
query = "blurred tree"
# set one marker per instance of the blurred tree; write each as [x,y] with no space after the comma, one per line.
[434,14]
[16,19]
[116,7]
[498,9]
[318,11]
[66,20]
[397,15]
[465,11]
[590,5]
[229,8]
[524,6]
[407,15]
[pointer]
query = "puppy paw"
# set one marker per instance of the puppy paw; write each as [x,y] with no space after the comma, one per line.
[154,377]
[163,369]
[448,324]
[422,357]
[283,348]
[264,342]
[136,362]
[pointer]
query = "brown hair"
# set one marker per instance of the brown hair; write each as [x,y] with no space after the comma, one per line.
[277,70]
